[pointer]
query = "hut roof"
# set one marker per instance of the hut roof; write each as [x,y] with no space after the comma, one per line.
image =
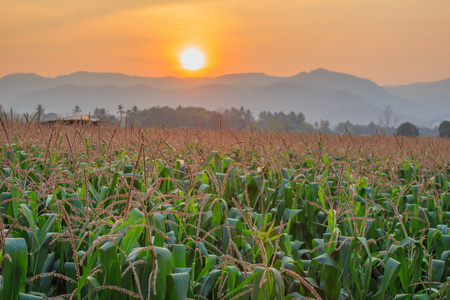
[74,120]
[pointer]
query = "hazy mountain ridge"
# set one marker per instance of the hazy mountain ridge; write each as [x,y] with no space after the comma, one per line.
[319,94]
[434,94]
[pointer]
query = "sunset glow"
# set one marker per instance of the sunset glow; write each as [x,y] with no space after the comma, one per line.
[390,42]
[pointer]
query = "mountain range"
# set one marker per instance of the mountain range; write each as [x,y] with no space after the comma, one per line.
[319,94]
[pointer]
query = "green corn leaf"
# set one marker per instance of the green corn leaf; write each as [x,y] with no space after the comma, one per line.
[262,291]
[179,285]
[160,224]
[87,270]
[14,206]
[208,282]
[41,253]
[70,271]
[209,263]
[23,208]
[134,216]
[131,237]
[234,225]
[46,281]
[30,297]
[112,187]
[326,259]
[391,270]
[47,226]
[233,273]
[111,270]
[331,220]
[165,266]
[179,256]
[398,254]
[4,207]
[279,283]
[14,270]
[437,270]
[93,281]
[244,283]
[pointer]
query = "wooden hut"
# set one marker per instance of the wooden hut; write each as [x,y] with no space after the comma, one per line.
[75,120]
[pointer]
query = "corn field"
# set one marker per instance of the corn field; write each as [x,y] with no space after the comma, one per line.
[104,212]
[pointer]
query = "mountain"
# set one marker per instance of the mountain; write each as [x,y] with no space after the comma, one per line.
[369,90]
[319,94]
[435,95]
[62,99]
[13,85]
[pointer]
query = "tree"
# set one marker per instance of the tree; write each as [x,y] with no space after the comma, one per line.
[40,111]
[50,116]
[103,115]
[274,124]
[281,121]
[248,117]
[76,110]
[121,110]
[100,113]
[340,128]
[296,119]
[407,129]
[134,115]
[306,128]
[444,129]
[134,109]
[325,127]
[388,118]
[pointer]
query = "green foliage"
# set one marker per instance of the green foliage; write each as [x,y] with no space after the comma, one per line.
[355,129]
[281,121]
[407,129]
[231,118]
[15,268]
[444,129]
[102,114]
[260,219]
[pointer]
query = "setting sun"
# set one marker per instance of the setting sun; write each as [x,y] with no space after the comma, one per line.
[192,59]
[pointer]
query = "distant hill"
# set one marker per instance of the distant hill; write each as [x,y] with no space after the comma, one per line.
[435,95]
[14,85]
[320,94]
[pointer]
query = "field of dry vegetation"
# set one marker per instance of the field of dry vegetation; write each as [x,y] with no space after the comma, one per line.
[104,212]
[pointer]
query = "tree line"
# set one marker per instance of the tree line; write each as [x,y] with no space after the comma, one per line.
[243,119]
[198,117]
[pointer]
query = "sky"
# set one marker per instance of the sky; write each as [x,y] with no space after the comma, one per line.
[390,42]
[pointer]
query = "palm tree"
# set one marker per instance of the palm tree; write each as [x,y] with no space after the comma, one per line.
[121,110]
[133,114]
[134,109]
[76,110]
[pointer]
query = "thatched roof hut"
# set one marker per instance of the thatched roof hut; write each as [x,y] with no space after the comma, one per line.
[74,120]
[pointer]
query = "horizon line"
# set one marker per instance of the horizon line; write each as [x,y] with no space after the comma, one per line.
[215,77]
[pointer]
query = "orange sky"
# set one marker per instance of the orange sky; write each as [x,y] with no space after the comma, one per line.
[390,42]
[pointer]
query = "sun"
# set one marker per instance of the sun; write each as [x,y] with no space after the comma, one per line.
[192,59]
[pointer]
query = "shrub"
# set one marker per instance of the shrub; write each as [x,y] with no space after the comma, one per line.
[407,129]
[444,129]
